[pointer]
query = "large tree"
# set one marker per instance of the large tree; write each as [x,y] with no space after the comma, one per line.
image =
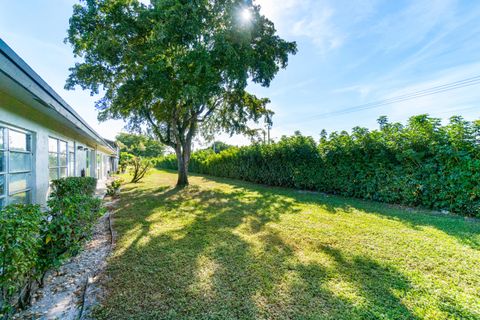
[176,67]
[139,145]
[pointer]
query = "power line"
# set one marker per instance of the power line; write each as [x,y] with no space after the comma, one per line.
[395,100]
[458,109]
[409,96]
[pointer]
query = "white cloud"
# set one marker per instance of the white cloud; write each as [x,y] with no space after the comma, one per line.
[362,90]
[328,24]
[412,25]
[276,10]
[320,30]
[307,18]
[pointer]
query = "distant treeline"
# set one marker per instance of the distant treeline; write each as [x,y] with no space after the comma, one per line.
[422,163]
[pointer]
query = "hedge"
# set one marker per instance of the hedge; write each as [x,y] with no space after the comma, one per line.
[33,241]
[422,163]
[19,244]
[73,185]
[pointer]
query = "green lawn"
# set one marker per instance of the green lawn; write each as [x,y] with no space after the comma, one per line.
[223,249]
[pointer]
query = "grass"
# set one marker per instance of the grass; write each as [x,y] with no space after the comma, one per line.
[223,249]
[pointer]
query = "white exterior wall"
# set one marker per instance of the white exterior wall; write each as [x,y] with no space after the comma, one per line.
[15,114]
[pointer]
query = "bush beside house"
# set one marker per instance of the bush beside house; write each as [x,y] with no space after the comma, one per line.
[33,241]
[422,163]
[20,242]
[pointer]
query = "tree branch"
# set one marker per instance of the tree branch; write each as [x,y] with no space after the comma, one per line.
[165,140]
[210,111]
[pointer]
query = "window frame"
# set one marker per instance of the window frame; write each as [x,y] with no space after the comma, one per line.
[72,145]
[98,164]
[58,153]
[6,173]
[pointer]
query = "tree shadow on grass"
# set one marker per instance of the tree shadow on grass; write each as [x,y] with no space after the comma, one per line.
[465,230]
[210,254]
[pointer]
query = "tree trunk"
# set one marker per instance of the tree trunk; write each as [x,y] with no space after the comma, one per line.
[183,149]
[183,158]
[182,174]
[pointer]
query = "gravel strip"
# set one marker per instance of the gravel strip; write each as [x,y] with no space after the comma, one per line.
[65,295]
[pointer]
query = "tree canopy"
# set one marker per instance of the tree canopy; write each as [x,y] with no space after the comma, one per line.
[139,145]
[176,67]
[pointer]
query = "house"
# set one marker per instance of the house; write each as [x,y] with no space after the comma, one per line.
[42,137]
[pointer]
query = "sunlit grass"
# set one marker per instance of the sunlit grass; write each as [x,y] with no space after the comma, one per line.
[223,249]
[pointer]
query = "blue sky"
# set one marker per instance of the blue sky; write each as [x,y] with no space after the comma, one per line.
[350,53]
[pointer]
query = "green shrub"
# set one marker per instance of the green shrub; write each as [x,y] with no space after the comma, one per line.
[70,223]
[32,242]
[169,162]
[421,163]
[113,188]
[19,244]
[139,168]
[125,159]
[73,185]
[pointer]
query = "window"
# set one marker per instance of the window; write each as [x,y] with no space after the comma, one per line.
[99,166]
[18,141]
[87,167]
[57,158]
[71,159]
[15,166]
[106,167]
[3,168]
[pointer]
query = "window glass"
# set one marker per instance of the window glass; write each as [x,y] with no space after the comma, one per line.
[52,145]
[53,173]
[18,182]
[71,163]
[18,141]
[20,161]
[2,143]
[2,161]
[62,159]
[63,172]
[89,160]
[52,159]
[2,185]
[20,198]
[15,166]
[63,147]
[57,158]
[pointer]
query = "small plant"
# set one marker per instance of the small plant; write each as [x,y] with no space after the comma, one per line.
[139,168]
[113,188]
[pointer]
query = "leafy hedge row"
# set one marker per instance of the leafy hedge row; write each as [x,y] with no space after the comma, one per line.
[422,163]
[33,241]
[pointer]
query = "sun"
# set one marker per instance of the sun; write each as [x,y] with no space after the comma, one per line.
[246,15]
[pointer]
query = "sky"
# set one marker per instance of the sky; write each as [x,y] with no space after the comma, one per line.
[350,53]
